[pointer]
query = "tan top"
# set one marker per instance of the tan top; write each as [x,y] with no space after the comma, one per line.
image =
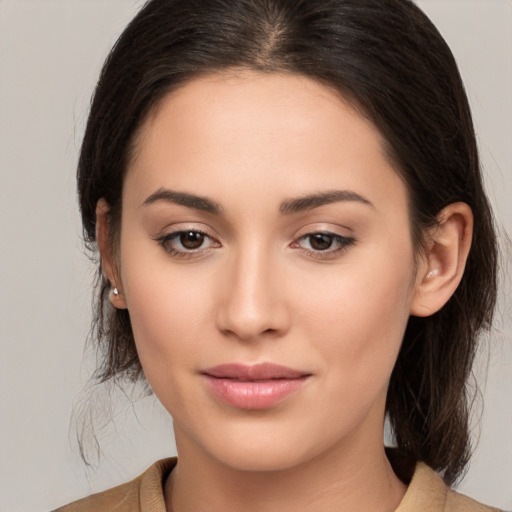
[426,492]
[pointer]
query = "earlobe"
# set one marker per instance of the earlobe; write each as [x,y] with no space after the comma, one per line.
[442,266]
[108,261]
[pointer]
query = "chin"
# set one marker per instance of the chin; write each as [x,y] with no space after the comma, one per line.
[263,446]
[259,458]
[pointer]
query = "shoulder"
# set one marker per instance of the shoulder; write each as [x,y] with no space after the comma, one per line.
[123,497]
[456,502]
[427,491]
[140,494]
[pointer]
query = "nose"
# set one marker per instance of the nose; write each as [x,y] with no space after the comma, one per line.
[253,304]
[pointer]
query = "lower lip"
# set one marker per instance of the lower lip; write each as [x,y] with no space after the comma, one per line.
[253,394]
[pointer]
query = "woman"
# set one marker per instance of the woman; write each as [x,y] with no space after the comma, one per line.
[295,242]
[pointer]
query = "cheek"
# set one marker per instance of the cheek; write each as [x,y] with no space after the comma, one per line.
[165,316]
[169,335]
[359,316]
[168,309]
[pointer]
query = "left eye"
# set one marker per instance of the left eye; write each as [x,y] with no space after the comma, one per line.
[324,242]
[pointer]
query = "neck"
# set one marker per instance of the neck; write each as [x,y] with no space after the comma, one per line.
[359,478]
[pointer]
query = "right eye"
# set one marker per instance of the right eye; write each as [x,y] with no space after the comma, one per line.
[186,243]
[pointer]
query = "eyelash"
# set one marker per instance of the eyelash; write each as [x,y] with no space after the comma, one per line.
[343,243]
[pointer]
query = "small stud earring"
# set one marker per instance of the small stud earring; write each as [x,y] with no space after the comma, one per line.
[115,293]
[432,273]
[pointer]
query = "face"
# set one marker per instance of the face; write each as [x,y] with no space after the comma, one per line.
[266,261]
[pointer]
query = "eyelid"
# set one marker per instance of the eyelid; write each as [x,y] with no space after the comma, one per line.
[327,228]
[182,227]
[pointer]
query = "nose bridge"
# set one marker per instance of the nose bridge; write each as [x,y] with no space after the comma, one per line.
[253,304]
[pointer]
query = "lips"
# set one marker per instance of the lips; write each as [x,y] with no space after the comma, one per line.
[258,386]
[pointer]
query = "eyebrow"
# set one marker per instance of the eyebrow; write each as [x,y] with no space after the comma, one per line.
[183,199]
[290,206]
[312,201]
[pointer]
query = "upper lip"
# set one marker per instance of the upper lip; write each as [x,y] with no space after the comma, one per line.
[259,371]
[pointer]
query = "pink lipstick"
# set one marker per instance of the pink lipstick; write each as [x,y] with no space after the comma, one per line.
[258,386]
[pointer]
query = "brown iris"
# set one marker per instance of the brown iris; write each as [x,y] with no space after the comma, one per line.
[320,241]
[191,239]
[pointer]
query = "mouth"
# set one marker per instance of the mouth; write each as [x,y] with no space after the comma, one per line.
[257,387]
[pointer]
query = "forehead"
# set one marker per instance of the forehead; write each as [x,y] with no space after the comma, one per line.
[250,103]
[259,132]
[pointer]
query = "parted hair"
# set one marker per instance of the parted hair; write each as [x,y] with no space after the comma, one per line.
[388,60]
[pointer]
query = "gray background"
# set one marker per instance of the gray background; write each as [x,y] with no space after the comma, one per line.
[50,54]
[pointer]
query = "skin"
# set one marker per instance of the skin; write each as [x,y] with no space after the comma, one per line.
[259,290]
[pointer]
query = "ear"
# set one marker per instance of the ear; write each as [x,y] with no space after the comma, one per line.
[442,266]
[108,260]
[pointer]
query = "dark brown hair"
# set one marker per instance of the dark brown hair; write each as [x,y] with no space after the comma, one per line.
[385,57]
